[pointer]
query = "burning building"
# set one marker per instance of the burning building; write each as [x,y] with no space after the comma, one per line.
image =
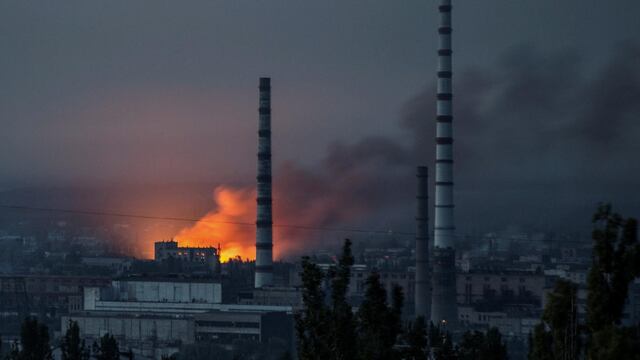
[209,256]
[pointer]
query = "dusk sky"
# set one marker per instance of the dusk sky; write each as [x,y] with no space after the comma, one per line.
[547,102]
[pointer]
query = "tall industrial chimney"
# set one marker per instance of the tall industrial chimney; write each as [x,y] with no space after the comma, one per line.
[423,280]
[444,309]
[264,231]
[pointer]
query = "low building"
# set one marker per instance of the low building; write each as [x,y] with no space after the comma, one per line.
[155,294]
[148,336]
[153,316]
[500,287]
[513,322]
[224,327]
[115,264]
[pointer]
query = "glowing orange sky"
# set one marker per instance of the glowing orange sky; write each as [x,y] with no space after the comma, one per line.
[219,226]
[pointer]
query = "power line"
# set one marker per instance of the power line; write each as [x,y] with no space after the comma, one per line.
[240,223]
[192,220]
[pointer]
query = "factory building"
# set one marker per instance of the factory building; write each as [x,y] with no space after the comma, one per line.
[209,256]
[512,322]
[501,287]
[155,315]
[150,292]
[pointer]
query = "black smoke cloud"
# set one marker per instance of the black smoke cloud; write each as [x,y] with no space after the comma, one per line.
[539,141]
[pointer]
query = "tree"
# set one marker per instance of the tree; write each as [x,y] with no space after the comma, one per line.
[476,345]
[107,349]
[540,344]
[494,347]
[34,341]
[379,324]
[326,327]
[561,316]
[471,346]
[395,313]
[71,346]
[416,339]
[557,336]
[614,343]
[441,344]
[286,356]
[342,321]
[615,263]
[313,321]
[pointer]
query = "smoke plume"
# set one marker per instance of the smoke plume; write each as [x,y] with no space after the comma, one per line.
[539,140]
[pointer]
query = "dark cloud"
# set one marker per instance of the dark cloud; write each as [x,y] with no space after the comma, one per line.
[539,141]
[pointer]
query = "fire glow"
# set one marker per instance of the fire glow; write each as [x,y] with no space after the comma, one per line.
[227,225]
[232,222]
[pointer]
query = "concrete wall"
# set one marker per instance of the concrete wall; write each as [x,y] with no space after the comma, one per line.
[93,302]
[166,291]
[225,327]
[130,328]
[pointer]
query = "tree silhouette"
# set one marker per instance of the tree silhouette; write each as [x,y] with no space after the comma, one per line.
[326,326]
[441,344]
[379,324]
[616,262]
[476,345]
[107,348]
[540,344]
[416,339]
[34,341]
[494,347]
[71,345]
[471,346]
[313,321]
[342,321]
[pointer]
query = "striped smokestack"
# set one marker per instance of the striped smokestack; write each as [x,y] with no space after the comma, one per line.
[423,281]
[444,309]
[264,232]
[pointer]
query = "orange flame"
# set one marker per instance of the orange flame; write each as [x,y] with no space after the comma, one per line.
[226,225]
[231,225]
